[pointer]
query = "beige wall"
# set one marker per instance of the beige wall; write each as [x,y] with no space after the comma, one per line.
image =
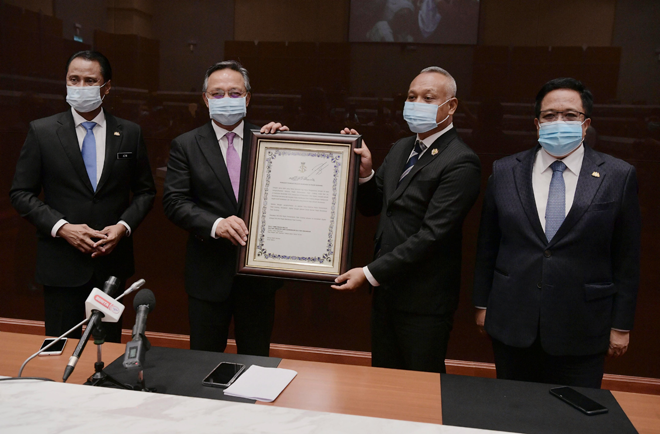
[291,20]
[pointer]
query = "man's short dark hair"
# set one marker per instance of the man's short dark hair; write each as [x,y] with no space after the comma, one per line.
[94,56]
[566,83]
[227,64]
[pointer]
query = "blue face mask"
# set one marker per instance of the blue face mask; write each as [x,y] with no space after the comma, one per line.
[560,138]
[227,111]
[421,116]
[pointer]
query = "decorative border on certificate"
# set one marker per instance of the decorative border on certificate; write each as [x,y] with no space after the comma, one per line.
[299,205]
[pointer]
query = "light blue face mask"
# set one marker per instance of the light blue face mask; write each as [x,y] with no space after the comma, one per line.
[421,116]
[84,99]
[227,111]
[560,138]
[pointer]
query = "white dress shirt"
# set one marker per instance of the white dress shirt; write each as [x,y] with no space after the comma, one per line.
[221,135]
[427,143]
[542,175]
[100,132]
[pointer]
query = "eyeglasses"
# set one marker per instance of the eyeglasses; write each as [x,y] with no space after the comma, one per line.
[553,115]
[217,94]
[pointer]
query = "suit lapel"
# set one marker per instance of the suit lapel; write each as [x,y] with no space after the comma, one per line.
[112,147]
[585,191]
[522,175]
[66,133]
[431,153]
[208,143]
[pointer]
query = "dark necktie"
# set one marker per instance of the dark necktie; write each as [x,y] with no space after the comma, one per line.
[417,150]
[555,211]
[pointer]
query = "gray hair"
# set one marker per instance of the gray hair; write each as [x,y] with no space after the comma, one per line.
[227,64]
[452,83]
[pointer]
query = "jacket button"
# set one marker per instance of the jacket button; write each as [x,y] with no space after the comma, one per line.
[539,285]
[547,253]
[389,213]
[95,200]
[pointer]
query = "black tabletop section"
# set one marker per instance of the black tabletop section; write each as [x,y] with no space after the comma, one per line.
[521,407]
[180,372]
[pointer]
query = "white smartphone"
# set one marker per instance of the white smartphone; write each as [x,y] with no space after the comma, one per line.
[56,349]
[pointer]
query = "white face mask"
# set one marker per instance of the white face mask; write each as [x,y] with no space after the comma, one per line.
[227,111]
[421,116]
[84,99]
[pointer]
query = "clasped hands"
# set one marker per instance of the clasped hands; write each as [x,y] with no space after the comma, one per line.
[90,241]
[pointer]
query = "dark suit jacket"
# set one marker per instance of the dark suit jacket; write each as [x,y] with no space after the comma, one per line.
[573,289]
[51,160]
[197,192]
[419,235]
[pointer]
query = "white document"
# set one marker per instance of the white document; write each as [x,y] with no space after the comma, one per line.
[262,384]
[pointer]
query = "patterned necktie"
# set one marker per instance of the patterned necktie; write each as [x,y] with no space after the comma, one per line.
[555,211]
[233,163]
[89,152]
[417,150]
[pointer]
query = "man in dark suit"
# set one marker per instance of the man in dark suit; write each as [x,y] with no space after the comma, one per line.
[98,187]
[204,194]
[558,255]
[423,191]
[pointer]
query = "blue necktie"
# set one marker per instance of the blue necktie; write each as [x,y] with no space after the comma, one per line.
[417,150]
[89,152]
[555,211]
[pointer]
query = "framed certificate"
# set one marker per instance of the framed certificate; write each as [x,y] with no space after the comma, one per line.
[299,205]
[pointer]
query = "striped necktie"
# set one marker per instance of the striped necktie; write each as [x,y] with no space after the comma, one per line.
[414,156]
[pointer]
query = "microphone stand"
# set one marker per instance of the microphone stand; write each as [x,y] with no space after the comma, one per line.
[100,378]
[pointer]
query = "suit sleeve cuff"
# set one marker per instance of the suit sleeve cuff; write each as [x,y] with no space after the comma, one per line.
[128,228]
[367,179]
[370,276]
[58,225]
[215,226]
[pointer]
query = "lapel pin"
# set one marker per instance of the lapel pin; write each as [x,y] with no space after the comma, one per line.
[117,133]
[596,175]
[434,151]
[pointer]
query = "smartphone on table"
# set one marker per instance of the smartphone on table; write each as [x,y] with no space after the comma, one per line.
[224,374]
[583,403]
[56,349]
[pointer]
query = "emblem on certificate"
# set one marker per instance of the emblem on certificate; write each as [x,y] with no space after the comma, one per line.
[299,205]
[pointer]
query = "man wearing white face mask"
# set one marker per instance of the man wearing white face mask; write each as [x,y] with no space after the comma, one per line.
[98,187]
[204,194]
[422,191]
[558,256]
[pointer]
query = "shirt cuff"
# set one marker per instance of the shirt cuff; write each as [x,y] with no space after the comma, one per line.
[370,276]
[128,228]
[480,307]
[215,226]
[622,331]
[58,225]
[367,179]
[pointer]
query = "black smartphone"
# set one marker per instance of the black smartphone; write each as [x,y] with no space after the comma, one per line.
[576,399]
[224,374]
[56,349]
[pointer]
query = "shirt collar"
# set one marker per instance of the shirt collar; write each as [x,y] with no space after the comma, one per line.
[220,132]
[573,162]
[433,137]
[78,119]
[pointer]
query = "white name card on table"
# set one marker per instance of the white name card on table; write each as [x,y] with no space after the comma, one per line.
[261,384]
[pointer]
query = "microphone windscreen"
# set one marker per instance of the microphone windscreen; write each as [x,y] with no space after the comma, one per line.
[144,297]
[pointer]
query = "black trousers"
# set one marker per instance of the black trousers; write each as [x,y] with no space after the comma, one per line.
[65,307]
[404,340]
[534,364]
[250,303]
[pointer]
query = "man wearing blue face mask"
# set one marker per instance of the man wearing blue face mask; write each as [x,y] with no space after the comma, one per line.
[204,194]
[97,183]
[557,266]
[422,191]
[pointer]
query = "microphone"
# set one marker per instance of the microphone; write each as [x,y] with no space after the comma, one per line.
[144,303]
[109,288]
